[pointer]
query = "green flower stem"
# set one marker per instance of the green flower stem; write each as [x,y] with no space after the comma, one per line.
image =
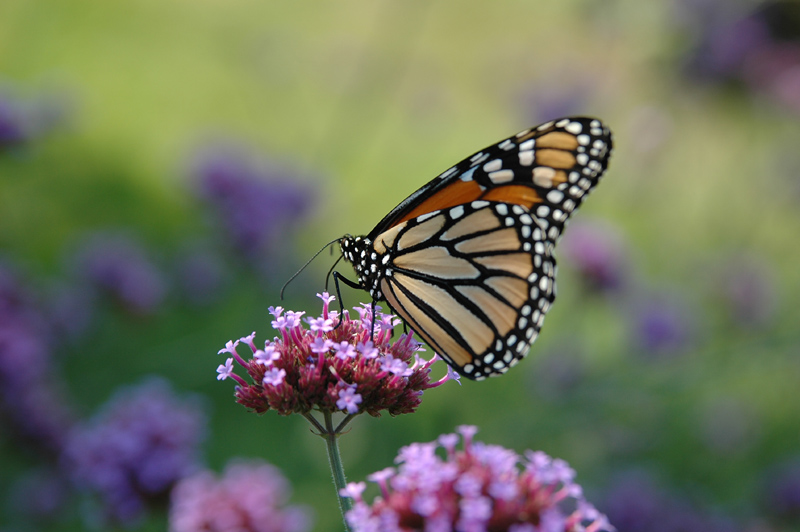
[331,439]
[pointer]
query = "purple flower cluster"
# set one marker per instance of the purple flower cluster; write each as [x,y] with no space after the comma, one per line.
[250,497]
[23,119]
[663,324]
[745,286]
[753,49]
[117,264]
[558,94]
[481,487]
[32,399]
[200,274]
[598,252]
[333,365]
[13,127]
[782,493]
[636,504]
[256,204]
[136,448]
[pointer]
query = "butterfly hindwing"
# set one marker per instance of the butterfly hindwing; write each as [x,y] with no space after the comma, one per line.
[473,280]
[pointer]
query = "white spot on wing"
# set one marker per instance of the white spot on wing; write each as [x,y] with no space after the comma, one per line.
[502,176]
[467,176]
[447,173]
[543,176]
[493,165]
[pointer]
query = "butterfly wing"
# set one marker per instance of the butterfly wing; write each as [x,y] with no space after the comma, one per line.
[548,170]
[474,280]
[467,260]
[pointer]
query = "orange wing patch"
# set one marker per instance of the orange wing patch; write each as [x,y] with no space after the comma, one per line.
[456,193]
[514,194]
[557,139]
[555,158]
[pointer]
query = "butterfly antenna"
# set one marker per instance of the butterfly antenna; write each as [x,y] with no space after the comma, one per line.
[303,267]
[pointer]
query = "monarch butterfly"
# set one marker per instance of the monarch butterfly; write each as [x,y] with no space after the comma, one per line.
[467,260]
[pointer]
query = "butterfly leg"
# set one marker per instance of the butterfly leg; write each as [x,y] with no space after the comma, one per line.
[352,284]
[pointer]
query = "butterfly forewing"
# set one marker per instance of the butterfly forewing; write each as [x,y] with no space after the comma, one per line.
[467,259]
[548,169]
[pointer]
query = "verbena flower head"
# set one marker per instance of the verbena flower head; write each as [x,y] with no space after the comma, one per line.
[13,127]
[599,254]
[118,265]
[636,502]
[34,404]
[480,487]
[782,493]
[321,364]
[664,324]
[257,203]
[200,274]
[135,449]
[249,497]
[745,287]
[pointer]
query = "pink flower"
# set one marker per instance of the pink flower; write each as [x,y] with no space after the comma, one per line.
[249,497]
[322,367]
[482,487]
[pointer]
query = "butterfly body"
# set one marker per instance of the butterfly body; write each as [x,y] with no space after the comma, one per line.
[467,260]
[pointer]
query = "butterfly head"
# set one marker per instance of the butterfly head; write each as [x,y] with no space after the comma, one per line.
[359,251]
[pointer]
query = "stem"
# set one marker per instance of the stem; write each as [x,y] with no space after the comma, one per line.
[339,480]
[344,423]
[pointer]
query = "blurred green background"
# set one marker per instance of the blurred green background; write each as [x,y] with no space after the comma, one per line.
[667,372]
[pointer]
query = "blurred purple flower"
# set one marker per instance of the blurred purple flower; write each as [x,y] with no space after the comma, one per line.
[636,504]
[119,265]
[599,253]
[257,204]
[547,100]
[13,129]
[249,497]
[663,324]
[759,49]
[136,448]
[481,487]
[200,274]
[304,370]
[725,47]
[25,118]
[32,396]
[745,285]
[782,490]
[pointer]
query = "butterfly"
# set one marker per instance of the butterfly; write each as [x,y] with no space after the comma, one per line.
[467,260]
